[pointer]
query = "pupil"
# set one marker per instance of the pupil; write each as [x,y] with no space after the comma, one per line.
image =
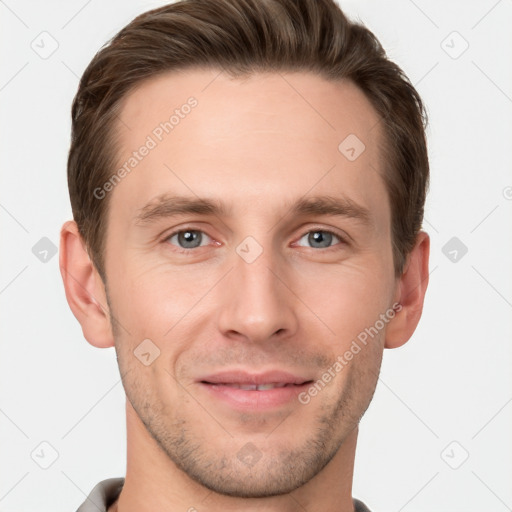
[189,237]
[321,236]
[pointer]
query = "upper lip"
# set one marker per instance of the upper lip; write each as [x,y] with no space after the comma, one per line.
[243,377]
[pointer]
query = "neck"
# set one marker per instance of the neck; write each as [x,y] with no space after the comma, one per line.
[154,482]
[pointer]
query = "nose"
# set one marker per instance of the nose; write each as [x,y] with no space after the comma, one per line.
[257,305]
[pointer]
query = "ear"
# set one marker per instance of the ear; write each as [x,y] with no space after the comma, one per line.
[410,294]
[85,291]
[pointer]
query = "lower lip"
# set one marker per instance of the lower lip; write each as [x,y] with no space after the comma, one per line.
[254,399]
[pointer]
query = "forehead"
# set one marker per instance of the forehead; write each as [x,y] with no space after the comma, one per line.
[267,135]
[237,106]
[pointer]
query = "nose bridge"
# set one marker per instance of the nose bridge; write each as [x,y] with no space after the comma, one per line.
[257,277]
[258,304]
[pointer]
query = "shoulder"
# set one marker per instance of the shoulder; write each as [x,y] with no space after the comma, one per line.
[359,506]
[102,495]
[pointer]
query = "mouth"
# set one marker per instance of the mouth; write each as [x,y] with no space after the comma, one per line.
[255,387]
[254,392]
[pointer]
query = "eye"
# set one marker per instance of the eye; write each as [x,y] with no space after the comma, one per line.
[194,238]
[187,238]
[320,238]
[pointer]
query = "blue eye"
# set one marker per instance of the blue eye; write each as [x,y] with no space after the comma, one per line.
[320,238]
[195,238]
[188,238]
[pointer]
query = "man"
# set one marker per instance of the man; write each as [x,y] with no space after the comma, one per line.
[247,181]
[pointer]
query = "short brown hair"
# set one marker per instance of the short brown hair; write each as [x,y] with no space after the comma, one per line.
[243,37]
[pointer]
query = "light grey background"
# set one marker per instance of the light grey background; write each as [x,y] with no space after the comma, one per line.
[444,396]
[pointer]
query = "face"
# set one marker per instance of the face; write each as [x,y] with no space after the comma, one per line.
[250,250]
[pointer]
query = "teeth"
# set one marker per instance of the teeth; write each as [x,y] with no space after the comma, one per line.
[257,387]
[248,387]
[268,386]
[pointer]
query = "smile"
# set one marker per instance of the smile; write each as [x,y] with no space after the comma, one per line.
[254,387]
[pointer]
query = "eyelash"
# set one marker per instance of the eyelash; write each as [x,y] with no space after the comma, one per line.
[341,239]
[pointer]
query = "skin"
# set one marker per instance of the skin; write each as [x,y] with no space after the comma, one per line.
[259,145]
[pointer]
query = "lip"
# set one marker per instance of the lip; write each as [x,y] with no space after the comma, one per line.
[243,377]
[222,386]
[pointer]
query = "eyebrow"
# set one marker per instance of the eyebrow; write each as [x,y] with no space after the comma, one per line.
[166,206]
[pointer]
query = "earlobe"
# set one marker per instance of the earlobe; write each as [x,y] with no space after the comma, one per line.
[410,294]
[85,291]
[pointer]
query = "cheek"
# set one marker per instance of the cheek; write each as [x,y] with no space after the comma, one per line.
[347,299]
[150,301]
